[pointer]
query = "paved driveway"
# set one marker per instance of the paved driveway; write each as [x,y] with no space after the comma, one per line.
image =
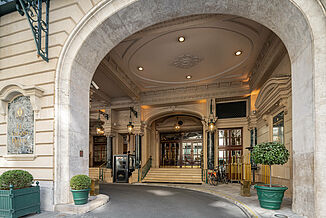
[138,201]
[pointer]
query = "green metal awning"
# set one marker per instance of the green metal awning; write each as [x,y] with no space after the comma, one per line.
[38,21]
[7,6]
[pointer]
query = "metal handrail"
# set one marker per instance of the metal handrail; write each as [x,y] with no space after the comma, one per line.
[146,168]
[101,171]
[103,164]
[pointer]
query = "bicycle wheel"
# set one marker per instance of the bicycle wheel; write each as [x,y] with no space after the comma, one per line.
[225,180]
[214,180]
[210,180]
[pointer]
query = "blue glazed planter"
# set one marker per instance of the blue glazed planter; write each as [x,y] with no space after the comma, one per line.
[80,196]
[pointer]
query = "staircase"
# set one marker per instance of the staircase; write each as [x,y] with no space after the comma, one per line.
[174,175]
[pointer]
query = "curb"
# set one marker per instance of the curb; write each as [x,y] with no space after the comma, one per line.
[98,201]
[245,208]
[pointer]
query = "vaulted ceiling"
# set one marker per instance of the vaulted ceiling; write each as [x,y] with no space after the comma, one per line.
[207,55]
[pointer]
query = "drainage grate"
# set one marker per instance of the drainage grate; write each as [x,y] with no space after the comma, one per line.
[281,216]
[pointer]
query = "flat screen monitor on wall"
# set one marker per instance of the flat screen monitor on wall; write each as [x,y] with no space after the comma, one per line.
[231,109]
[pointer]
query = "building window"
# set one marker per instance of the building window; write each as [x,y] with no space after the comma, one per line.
[229,145]
[20,131]
[278,128]
[230,137]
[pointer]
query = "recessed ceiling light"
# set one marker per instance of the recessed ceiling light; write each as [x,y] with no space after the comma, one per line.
[238,53]
[140,68]
[188,77]
[181,38]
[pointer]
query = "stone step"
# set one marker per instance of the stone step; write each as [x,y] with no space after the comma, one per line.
[185,171]
[174,175]
[172,181]
[177,173]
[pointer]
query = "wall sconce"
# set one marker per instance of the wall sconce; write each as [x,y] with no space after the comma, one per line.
[130,127]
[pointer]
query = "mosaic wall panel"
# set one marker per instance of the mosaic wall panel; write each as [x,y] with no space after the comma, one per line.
[20,126]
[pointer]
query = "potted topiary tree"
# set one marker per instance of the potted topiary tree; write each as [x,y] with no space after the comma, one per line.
[80,186]
[17,195]
[270,153]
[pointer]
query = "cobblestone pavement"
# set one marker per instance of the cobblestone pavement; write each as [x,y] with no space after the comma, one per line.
[232,193]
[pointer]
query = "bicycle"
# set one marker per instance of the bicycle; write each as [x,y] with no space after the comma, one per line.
[223,178]
[218,176]
[213,177]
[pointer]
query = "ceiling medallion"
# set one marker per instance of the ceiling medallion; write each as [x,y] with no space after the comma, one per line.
[186,61]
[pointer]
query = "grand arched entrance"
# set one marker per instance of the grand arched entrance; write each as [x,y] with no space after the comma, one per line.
[110,22]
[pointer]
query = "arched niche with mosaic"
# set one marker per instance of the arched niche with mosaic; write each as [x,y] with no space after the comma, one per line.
[20,126]
[19,106]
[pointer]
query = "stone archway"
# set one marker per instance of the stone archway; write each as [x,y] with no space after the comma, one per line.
[163,113]
[299,24]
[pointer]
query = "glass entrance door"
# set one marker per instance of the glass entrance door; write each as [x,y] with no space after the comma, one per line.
[170,154]
[182,149]
[191,153]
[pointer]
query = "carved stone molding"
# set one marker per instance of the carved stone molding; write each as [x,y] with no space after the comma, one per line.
[119,75]
[284,103]
[268,59]
[20,157]
[274,94]
[266,118]
[191,93]
[252,121]
[9,92]
[151,115]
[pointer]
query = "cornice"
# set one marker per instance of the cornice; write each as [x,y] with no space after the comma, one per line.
[128,85]
[187,94]
[268,59]
[183,94]
[10,91]
[273,94]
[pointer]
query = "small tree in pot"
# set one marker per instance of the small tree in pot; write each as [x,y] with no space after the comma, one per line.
[80,186]
[270,153]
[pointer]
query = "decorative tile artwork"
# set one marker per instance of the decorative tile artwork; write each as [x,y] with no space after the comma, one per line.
[20,126]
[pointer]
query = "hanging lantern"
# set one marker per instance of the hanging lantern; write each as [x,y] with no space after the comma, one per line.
[177,127]
[211,125]
[130,127]
[99,130]
[178,124]
[99,127]
[212,120]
